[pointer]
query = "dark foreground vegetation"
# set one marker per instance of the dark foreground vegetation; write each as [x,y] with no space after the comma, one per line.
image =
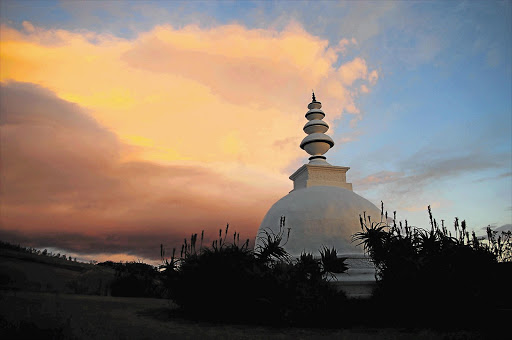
[435,278]
[425,278]
[230,282]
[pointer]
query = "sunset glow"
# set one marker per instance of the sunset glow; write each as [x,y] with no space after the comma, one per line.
[139,130]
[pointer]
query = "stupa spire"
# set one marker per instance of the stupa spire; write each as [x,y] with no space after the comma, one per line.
[317,143]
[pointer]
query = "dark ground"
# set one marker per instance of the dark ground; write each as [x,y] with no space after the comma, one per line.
[36,302]
[69,316]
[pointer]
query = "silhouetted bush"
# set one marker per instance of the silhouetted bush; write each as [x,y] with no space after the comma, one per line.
[230,282]
[420,271]
[135,279]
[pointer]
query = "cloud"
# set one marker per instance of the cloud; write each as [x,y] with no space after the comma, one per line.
[503,228]
[349,137]
[65,184]
[500,176]
[209,57]
[381,177]
[161,135]
[424,168]
[353,70]
[372,78]
[221,95]
[365,20]
[343,44]
[125,246]
[422,172]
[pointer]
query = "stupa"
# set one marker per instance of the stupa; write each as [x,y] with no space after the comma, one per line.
[322,210]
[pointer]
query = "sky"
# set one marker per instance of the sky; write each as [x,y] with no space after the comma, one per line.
[126,125]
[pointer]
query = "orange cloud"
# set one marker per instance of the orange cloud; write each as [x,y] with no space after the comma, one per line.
[173,131]
[353,70]
[177,93]
[342,45]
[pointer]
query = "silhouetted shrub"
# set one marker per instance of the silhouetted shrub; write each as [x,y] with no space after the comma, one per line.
[230,282]
[419,271]
[135,279]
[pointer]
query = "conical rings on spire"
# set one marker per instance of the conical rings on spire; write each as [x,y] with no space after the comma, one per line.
[317,143]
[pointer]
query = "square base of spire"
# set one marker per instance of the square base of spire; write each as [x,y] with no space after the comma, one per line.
[310,175]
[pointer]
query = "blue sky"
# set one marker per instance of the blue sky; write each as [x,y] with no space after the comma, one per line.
[434,129]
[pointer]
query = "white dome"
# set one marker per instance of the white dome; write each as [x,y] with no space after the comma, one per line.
[319,216]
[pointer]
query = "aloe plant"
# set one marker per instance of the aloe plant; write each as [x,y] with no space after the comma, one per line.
[423,267]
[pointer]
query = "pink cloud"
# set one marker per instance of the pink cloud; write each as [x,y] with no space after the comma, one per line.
[62,175]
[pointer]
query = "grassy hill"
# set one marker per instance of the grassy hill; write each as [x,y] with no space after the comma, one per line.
[20,270]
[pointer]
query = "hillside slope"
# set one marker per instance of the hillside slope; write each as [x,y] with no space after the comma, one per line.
[24,271]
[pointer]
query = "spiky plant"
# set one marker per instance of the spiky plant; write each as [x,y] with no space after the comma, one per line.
[271,246]
[331,263]
[417,266]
